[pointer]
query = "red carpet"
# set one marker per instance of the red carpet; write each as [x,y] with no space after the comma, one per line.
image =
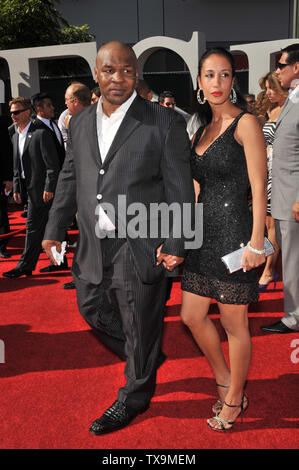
[57,377]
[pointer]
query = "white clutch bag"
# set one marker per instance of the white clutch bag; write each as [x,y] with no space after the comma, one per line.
[233,260]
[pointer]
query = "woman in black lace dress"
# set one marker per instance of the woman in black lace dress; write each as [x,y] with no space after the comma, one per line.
[228,155]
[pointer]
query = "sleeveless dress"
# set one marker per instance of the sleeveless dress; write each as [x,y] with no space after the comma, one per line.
[227,221]
[269,132]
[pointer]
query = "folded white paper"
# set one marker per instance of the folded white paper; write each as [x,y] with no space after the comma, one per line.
[59,256]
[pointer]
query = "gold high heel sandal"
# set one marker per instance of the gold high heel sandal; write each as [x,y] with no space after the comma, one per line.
[222,422]
[217,407]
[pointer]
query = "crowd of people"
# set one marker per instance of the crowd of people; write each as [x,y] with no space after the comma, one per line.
[119,142]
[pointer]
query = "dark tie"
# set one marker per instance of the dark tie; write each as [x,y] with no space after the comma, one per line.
[53,129]
[52,125]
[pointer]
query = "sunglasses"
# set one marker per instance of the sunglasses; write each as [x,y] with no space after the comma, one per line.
[170,104]
[18,111]
[281,66]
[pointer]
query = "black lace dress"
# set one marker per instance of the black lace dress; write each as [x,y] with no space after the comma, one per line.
[227,221]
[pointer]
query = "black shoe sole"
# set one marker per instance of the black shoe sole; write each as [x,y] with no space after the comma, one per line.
[279,332]
[53,270]
[108,431]
[16,277]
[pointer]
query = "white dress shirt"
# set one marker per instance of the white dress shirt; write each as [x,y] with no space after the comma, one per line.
[107,128]
[294,94]
[61,125]
[48,123]
[21,143]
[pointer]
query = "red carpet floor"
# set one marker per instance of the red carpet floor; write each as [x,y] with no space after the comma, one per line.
[57,377]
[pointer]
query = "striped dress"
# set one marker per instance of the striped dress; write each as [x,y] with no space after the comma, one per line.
[269,131]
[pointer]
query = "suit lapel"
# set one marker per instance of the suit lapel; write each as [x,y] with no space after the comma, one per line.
[54,129]
[286,108]
[128,125]
[91,123]
[28,138]
[15,141]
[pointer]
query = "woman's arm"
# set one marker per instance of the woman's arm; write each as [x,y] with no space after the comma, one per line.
[250,135]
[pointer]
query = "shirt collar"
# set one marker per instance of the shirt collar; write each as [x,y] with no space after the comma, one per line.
[44,120]
[294,94]
[122,109]
[25,130]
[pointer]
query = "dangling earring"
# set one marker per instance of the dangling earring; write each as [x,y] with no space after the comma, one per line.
[233,96]
[199,99]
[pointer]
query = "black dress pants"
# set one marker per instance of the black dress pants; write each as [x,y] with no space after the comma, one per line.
[4,222]
[37,217]
[128,317]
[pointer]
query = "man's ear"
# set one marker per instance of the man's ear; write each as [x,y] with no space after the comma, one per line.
[296,69]
[96,75]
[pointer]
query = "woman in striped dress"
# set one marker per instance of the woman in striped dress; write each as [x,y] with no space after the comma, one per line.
[276,96]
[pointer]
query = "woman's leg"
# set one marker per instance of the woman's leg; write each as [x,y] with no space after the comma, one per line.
[194,314]
[271,262]
[234,319]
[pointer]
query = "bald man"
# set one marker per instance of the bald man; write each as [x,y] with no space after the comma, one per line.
[122,146]
[77,97]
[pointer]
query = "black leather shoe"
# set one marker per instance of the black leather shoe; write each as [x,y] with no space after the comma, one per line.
[69,285]
[161,359]
[53,268]
[278,327]
[116,417]
[4,253]
[17,272]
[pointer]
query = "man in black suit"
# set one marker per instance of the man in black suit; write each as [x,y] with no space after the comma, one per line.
[43,106]
[36,169]
[6,173]
[123,148]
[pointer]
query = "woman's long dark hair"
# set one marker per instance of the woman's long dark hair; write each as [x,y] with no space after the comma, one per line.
[204,110]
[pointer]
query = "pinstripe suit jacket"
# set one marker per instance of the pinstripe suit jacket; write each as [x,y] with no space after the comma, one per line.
[148,161]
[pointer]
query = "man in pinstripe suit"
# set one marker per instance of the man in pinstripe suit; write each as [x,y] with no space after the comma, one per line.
[122,145]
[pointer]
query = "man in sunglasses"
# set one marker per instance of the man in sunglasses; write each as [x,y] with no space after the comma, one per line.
[36,169]
[285,189]
[167,99]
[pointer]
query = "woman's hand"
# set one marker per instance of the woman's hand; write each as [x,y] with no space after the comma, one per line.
[251,260]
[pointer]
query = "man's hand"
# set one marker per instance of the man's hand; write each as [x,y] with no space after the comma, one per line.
[295,211]
[47,196]
[169,262]
[17,198]
[47,245]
